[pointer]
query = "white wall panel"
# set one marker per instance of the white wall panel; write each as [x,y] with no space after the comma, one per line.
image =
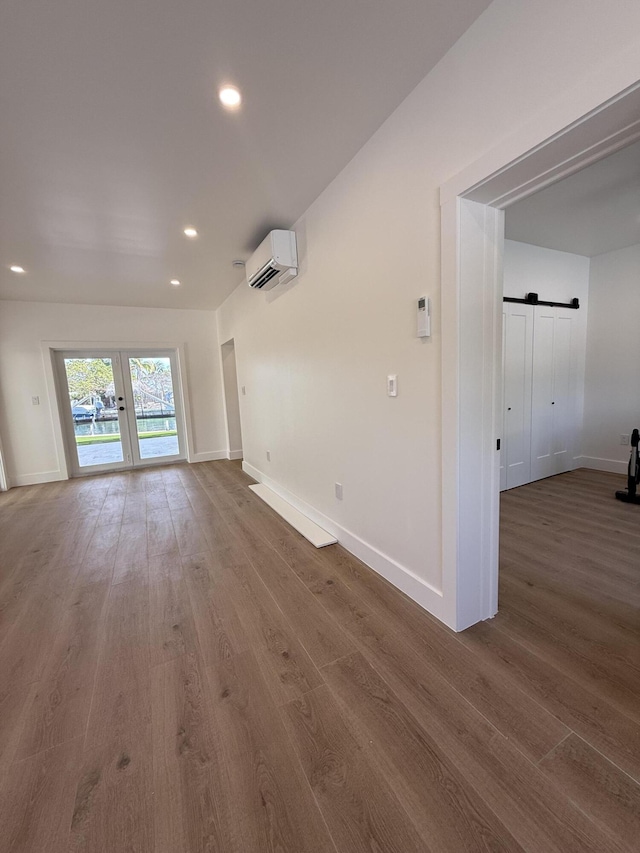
[612,387]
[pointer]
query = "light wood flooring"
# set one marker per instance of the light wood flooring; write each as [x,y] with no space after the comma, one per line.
[181,672]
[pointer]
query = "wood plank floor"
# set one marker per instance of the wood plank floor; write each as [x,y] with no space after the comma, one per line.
[182,672]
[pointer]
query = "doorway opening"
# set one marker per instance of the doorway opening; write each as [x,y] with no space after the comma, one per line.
[568,569]
[473,220]
[231,399]
[120,409]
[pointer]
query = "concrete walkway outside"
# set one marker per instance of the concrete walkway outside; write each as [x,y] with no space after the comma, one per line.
[102,454]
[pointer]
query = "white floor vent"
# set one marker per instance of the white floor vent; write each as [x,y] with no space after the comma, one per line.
[309,529]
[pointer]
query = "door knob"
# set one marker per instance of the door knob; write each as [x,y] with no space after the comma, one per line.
[553,403]
[508,408]
[121,408]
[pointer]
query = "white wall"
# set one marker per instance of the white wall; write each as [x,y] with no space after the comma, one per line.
[554,276]
[28,431]
[612,387]
[314,355]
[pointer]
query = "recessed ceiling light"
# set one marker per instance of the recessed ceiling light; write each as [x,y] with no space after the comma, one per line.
[190,231]
[16,268]
[230,96]
[175,282]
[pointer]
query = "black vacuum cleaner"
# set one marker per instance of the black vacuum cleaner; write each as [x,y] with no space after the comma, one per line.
[630,495]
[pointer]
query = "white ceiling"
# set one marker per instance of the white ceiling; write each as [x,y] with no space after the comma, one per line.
[594,211]
[112,138]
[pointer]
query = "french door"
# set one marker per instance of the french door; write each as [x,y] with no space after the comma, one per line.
[121,409]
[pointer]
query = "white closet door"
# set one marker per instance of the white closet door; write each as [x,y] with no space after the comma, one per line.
[542,395]
[563,403]
[517,371]
[553,393]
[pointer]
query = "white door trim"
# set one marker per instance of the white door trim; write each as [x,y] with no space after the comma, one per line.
[472,231]
[471,335]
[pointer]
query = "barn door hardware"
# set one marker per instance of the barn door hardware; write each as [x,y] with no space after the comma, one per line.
[532,299]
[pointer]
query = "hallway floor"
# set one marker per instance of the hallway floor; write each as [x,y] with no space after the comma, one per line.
[181,672]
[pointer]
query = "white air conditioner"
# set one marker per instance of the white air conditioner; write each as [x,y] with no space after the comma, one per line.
[275,261]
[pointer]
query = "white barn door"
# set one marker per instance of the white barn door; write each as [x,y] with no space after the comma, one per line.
[553,395]
[515,449]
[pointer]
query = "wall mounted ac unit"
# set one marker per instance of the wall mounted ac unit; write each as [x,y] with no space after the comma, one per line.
[275,261]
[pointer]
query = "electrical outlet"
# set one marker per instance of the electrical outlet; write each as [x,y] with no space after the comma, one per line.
[35,401]
[624,439]
[339,491]
[268,456]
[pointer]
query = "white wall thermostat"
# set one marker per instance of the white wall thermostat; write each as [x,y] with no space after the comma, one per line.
[424,317]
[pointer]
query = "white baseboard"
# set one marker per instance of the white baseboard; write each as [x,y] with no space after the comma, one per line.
[213,455]
[301,522]
[54,476]
[208,456]
[36,479]
[400,576]
[614,466]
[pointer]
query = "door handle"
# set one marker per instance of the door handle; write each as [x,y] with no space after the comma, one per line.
[121,408]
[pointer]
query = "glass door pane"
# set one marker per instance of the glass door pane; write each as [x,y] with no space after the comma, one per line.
[94,411]
[154,404]
[123,408]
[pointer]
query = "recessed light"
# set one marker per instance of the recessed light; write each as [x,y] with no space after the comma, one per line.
[16,268]
[230,97]
[175,282]
[190,231]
